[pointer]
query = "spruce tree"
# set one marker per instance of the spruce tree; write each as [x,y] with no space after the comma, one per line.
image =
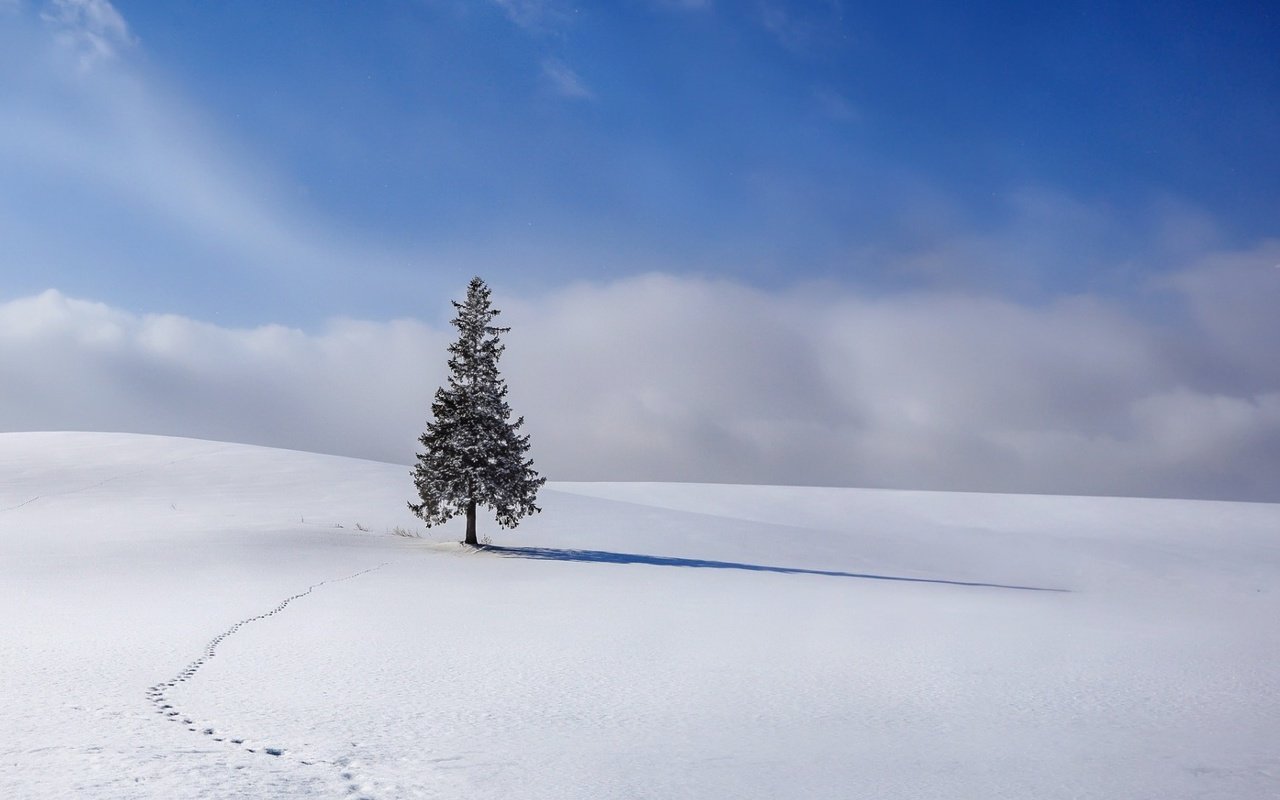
[474,454]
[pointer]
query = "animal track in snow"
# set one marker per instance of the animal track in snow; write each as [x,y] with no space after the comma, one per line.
[158,694]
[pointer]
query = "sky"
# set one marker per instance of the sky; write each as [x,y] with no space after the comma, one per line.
[982,246]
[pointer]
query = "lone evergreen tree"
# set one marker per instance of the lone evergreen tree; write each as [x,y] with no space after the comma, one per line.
[475,455]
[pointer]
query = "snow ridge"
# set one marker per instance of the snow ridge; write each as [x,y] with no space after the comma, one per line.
[114,478]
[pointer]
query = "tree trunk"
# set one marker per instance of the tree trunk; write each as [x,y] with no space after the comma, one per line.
[471,523]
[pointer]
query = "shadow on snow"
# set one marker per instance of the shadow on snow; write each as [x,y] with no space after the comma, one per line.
[605,557]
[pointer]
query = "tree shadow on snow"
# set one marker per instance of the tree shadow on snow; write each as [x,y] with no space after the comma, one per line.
[605,557]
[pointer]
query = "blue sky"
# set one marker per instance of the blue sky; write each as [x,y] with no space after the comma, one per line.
[984,245]
[539,142]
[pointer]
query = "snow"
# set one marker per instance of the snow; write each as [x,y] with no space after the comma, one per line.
[636,640]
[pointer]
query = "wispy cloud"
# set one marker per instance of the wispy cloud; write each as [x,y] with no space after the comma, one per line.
[536,15]
[835,105]
[176,197]
[93,29]
[684,5]
[801,27]
[562,80]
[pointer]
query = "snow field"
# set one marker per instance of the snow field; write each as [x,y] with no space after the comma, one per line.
[647,647]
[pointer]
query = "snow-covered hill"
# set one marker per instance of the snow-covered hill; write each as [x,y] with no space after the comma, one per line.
[194,619]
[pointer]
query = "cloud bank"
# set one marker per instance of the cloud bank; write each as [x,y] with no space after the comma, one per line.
[122,190]
[671,378]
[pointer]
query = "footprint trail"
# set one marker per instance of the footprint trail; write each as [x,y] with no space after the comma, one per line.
[158,694]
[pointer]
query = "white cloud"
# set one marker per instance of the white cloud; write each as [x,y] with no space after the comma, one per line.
[92,29]
[835,105]
[1235,300]
[804,26]
[665,378]
[563,80]
[83,365]
[535,15]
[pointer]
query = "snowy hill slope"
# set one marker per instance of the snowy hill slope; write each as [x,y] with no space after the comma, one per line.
[195,619]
